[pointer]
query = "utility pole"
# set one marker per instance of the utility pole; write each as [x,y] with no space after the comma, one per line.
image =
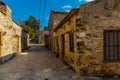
[21,21]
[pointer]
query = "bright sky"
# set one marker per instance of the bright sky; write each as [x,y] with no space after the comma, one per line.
[22,9]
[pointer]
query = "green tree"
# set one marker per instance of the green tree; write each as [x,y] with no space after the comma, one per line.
[31,26]
[33,22]
[29,30]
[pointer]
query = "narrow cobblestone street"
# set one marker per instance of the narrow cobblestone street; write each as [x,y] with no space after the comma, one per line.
[38,63]
[35,64]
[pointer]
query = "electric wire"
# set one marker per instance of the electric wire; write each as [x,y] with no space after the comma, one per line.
[44,11]
[39,13]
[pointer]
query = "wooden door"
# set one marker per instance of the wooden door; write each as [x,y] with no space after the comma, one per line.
[16,46]
[62,46]
[0,47]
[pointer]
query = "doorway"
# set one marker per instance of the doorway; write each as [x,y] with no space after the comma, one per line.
[0,47]
[16,45]
[62,46]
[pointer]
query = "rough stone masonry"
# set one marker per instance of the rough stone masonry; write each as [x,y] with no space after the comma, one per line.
[10,34]
[95,17]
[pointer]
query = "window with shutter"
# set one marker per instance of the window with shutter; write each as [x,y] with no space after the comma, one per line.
[112,45]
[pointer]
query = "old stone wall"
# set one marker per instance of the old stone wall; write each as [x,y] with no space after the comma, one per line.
[94,18]
[55,19]
[10,35]
[64,51]
[25,40]
[88,28]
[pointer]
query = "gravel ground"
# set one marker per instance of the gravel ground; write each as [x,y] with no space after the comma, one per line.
[38,63]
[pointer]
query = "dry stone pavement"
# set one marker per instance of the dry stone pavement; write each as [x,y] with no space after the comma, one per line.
[38,63]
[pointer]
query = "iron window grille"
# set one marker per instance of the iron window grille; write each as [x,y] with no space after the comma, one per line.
[71,42]
[112,45]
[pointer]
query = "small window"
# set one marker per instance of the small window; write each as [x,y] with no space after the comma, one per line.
[71,42]
[112,45]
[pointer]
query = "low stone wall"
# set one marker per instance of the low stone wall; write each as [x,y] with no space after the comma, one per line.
[93,65]
[7,57]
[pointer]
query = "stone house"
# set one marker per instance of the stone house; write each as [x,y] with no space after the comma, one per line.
[46,37]
[24,40]
[63,31]
[55,18]
[93,30]
[42,37]
[47,40]
[10,34]
[37,37]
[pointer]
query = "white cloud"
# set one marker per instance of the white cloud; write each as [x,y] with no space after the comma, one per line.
[86,0]
[78,6]
[80,0]
[67,7]
[89,0]
[47,18]
[67,10]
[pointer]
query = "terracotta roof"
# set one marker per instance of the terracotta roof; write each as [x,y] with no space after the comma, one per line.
[66,18]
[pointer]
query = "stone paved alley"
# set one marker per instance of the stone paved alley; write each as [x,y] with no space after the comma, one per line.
[38,63]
